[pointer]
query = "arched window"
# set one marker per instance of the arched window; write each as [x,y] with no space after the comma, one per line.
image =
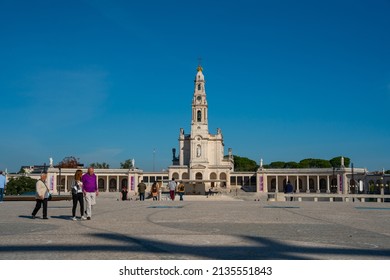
[199,176]
[323,185]
[101,185]
[112,185]
[199,115]
[125,183]
[199,87]
[311,185]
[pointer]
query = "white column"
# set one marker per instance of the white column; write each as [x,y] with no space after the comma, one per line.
[327,184]
[338,183]
[318,184]
[117,183]
[107,184]
[277,184]
[307,184]
[345,183]
[66,184]
[297,190]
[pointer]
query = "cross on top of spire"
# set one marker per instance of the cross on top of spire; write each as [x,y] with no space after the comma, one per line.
[200,68]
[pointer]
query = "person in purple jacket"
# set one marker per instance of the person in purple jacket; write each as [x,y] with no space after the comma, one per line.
[90,190]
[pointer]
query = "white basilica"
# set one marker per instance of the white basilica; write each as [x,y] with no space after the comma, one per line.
[201,164]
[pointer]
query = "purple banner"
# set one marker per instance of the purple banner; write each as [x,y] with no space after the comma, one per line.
[132,185]
[261,183]
[51,183]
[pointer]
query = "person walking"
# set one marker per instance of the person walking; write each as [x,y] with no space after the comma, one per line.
[77,195]
[141,190]
[90,190]
[172,188]
[2,185]
[289,189]
[41,196]
[155,191]
[180,190]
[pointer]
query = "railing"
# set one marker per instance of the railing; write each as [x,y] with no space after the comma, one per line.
[328,197]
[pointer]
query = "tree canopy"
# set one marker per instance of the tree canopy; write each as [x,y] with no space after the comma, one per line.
[69,162]
[20,185]
[99,165]
[310,163]
[127,164]
[244,164]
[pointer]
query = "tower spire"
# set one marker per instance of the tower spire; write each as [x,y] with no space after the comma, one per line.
[200,68]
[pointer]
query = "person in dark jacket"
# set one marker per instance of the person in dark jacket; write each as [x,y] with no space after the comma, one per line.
[289,189]
[141,190]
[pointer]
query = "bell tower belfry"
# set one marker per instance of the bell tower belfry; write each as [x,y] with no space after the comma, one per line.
[199,123]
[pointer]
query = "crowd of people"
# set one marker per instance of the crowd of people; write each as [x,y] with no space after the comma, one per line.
[85,190]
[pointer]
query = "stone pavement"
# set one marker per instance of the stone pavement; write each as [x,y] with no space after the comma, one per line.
[202,228]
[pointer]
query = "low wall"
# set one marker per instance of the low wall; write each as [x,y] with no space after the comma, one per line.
[328,197]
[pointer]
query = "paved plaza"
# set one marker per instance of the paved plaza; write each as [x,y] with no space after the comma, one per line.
[219,227]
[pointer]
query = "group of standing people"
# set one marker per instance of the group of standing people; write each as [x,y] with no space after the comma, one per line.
[172,186]
[176,187]
[84,187]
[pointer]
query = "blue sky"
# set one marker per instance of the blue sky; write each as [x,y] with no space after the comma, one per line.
[107,81]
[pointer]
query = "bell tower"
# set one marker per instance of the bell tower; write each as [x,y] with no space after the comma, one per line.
[201,163]
[199,124]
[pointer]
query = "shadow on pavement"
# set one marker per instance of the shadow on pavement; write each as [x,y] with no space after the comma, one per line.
[263,248]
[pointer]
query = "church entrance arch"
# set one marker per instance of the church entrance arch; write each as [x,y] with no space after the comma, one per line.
[223,177]
[213,177]
[199,185]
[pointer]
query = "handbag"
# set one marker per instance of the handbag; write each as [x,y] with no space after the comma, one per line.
[50,196]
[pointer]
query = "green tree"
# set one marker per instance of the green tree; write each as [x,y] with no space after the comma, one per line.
[314,163]
[244,164]
[127,164]
[99,165]
[291,164]
[336,162]
[276,165]
[20,185]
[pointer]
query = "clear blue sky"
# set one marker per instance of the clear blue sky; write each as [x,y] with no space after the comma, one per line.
[107,81]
